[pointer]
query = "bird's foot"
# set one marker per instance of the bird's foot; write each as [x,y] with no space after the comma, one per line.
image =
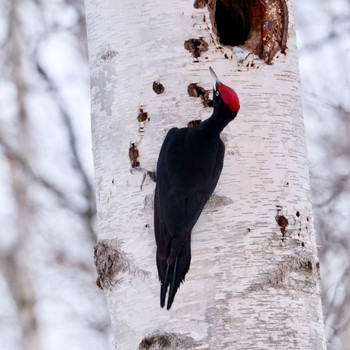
[145,172]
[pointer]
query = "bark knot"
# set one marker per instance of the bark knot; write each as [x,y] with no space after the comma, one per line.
[111,263]
[108,264]
[163,340]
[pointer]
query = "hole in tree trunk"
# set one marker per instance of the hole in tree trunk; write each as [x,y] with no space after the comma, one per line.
[232,20]
[260,26]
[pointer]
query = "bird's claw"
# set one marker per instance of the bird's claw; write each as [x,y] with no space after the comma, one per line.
[151,174]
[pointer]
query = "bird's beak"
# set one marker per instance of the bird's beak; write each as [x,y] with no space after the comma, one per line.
[217,81]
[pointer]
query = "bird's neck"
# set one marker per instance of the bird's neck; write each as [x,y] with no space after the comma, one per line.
[217,122]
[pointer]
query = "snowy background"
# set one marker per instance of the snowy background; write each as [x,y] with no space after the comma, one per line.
[47,204]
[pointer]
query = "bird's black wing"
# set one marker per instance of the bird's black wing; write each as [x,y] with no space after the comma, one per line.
[163,238]
[191,208]
[168,207]
[176,212]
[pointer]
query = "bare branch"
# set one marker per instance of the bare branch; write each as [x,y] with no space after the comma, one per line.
[88,190]
[20,161]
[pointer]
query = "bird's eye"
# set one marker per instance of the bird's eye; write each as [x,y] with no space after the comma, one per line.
[217,93]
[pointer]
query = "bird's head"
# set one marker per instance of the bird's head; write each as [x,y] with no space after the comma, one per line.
[225,99]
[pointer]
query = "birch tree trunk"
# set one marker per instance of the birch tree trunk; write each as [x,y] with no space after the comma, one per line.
[254,276]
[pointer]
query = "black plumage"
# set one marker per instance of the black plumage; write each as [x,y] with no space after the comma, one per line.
[188,169]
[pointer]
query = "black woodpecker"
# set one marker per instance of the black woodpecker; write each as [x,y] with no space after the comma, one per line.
[188,169]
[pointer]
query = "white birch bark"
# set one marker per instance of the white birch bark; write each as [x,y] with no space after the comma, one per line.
[250,286]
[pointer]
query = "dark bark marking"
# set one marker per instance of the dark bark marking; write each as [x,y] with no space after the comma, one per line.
[200,4]
[108,263]
[157,87]
[142,116]
[163,340]
[109,55]
[195,90]
[274,31]
[282,222]
[196,46]
[193,123]
[281,276]
[134,155]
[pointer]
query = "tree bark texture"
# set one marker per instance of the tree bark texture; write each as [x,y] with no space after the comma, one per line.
[254,276]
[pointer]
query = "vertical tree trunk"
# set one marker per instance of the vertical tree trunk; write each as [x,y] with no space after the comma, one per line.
[254,279]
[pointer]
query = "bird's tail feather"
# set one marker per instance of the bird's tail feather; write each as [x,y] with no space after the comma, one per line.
[164,286]
[173,286]
[174,275]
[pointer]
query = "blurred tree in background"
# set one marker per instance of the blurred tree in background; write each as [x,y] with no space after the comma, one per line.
[324,42]
[49,299]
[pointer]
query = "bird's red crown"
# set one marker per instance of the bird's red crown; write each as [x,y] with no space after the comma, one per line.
[230,97]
